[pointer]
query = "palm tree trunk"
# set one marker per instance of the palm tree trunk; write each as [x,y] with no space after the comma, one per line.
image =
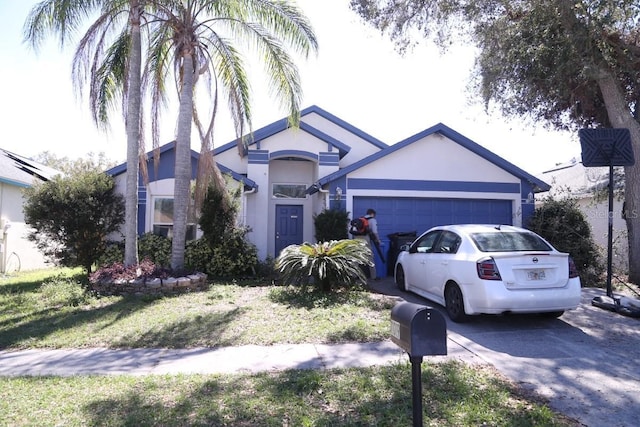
[620,117]
[133,139]
[182,191]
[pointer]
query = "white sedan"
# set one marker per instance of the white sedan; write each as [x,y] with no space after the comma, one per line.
[489,269]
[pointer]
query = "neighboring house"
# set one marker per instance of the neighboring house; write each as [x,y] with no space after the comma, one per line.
[437,176]
[589,186]
[16,173]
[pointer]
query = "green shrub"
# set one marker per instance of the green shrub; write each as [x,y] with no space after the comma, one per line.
[266,269]
[155,248]
[563,224]
[198,254]
[331,224]
[62,291]
[234,256]
[337,262]
[113,253]
[223,251]
[151,247]
[72,215]
[218,214]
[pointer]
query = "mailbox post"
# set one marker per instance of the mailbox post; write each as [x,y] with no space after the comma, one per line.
[420,331]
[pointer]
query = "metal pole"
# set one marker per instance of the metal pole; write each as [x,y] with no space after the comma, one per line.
[610,242]
[416,382]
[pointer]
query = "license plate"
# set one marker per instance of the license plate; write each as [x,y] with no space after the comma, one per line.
[535,275]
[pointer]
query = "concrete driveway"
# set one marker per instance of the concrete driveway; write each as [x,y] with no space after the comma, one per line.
[586,363]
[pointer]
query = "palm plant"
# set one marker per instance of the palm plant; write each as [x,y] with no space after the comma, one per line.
[197,38]
[112,65]
[327,263]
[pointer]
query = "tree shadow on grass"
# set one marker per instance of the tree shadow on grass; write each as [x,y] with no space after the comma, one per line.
[153,401]
[200,330]
[205,330]
[359,332]
[46,322]
[18,284]
[20,287]
[344,397]
[285,398]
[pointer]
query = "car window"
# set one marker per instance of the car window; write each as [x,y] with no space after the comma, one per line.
[425,243]
[509,241]
[448,243]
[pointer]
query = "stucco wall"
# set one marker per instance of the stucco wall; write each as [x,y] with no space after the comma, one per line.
[597,214]
[18,253]
[360,148]
[436,158]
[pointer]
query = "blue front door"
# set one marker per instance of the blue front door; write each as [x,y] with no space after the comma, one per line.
[288,226]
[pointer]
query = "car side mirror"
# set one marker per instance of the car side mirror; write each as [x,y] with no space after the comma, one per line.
[412,249]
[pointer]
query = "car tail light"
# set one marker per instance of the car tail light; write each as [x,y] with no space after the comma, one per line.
[488,270]
[573,270]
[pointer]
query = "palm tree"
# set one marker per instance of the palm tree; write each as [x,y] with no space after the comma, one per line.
[113,71]
[197,39]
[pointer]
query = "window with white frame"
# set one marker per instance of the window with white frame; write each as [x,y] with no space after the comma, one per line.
[162,219]
[289,191]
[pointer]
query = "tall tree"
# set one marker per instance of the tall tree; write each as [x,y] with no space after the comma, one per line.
[568,64]
[133,125]
[112,66]
[198,39]
[90,161]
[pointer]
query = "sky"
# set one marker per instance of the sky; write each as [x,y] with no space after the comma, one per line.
[356,76]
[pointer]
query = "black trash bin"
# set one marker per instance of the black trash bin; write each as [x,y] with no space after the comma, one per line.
[396,240]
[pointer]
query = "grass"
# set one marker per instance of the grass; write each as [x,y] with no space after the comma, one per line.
[45,310]
[453,395]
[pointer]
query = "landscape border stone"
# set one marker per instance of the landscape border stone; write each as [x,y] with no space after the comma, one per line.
[153,286]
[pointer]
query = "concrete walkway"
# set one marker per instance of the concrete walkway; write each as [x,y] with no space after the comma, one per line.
[247,358]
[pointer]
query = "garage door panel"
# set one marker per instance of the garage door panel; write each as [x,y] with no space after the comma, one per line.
[404,214]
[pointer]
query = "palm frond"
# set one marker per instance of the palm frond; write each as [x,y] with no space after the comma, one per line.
[109,80]
[60,17]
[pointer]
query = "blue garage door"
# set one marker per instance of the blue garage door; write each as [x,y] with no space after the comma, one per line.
[396,215]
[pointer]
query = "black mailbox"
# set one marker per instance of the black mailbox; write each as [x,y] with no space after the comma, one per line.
[418,329]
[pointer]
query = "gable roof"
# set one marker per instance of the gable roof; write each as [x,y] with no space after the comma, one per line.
[346,126]
[21,171]
[122,167]
[265,132]
[446,131]
[248,183]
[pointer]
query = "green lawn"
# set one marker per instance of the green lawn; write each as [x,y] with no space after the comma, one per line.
[39,312]
[54,316]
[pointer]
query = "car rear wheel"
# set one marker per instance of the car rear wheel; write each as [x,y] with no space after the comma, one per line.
[400,280]
[454,303]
